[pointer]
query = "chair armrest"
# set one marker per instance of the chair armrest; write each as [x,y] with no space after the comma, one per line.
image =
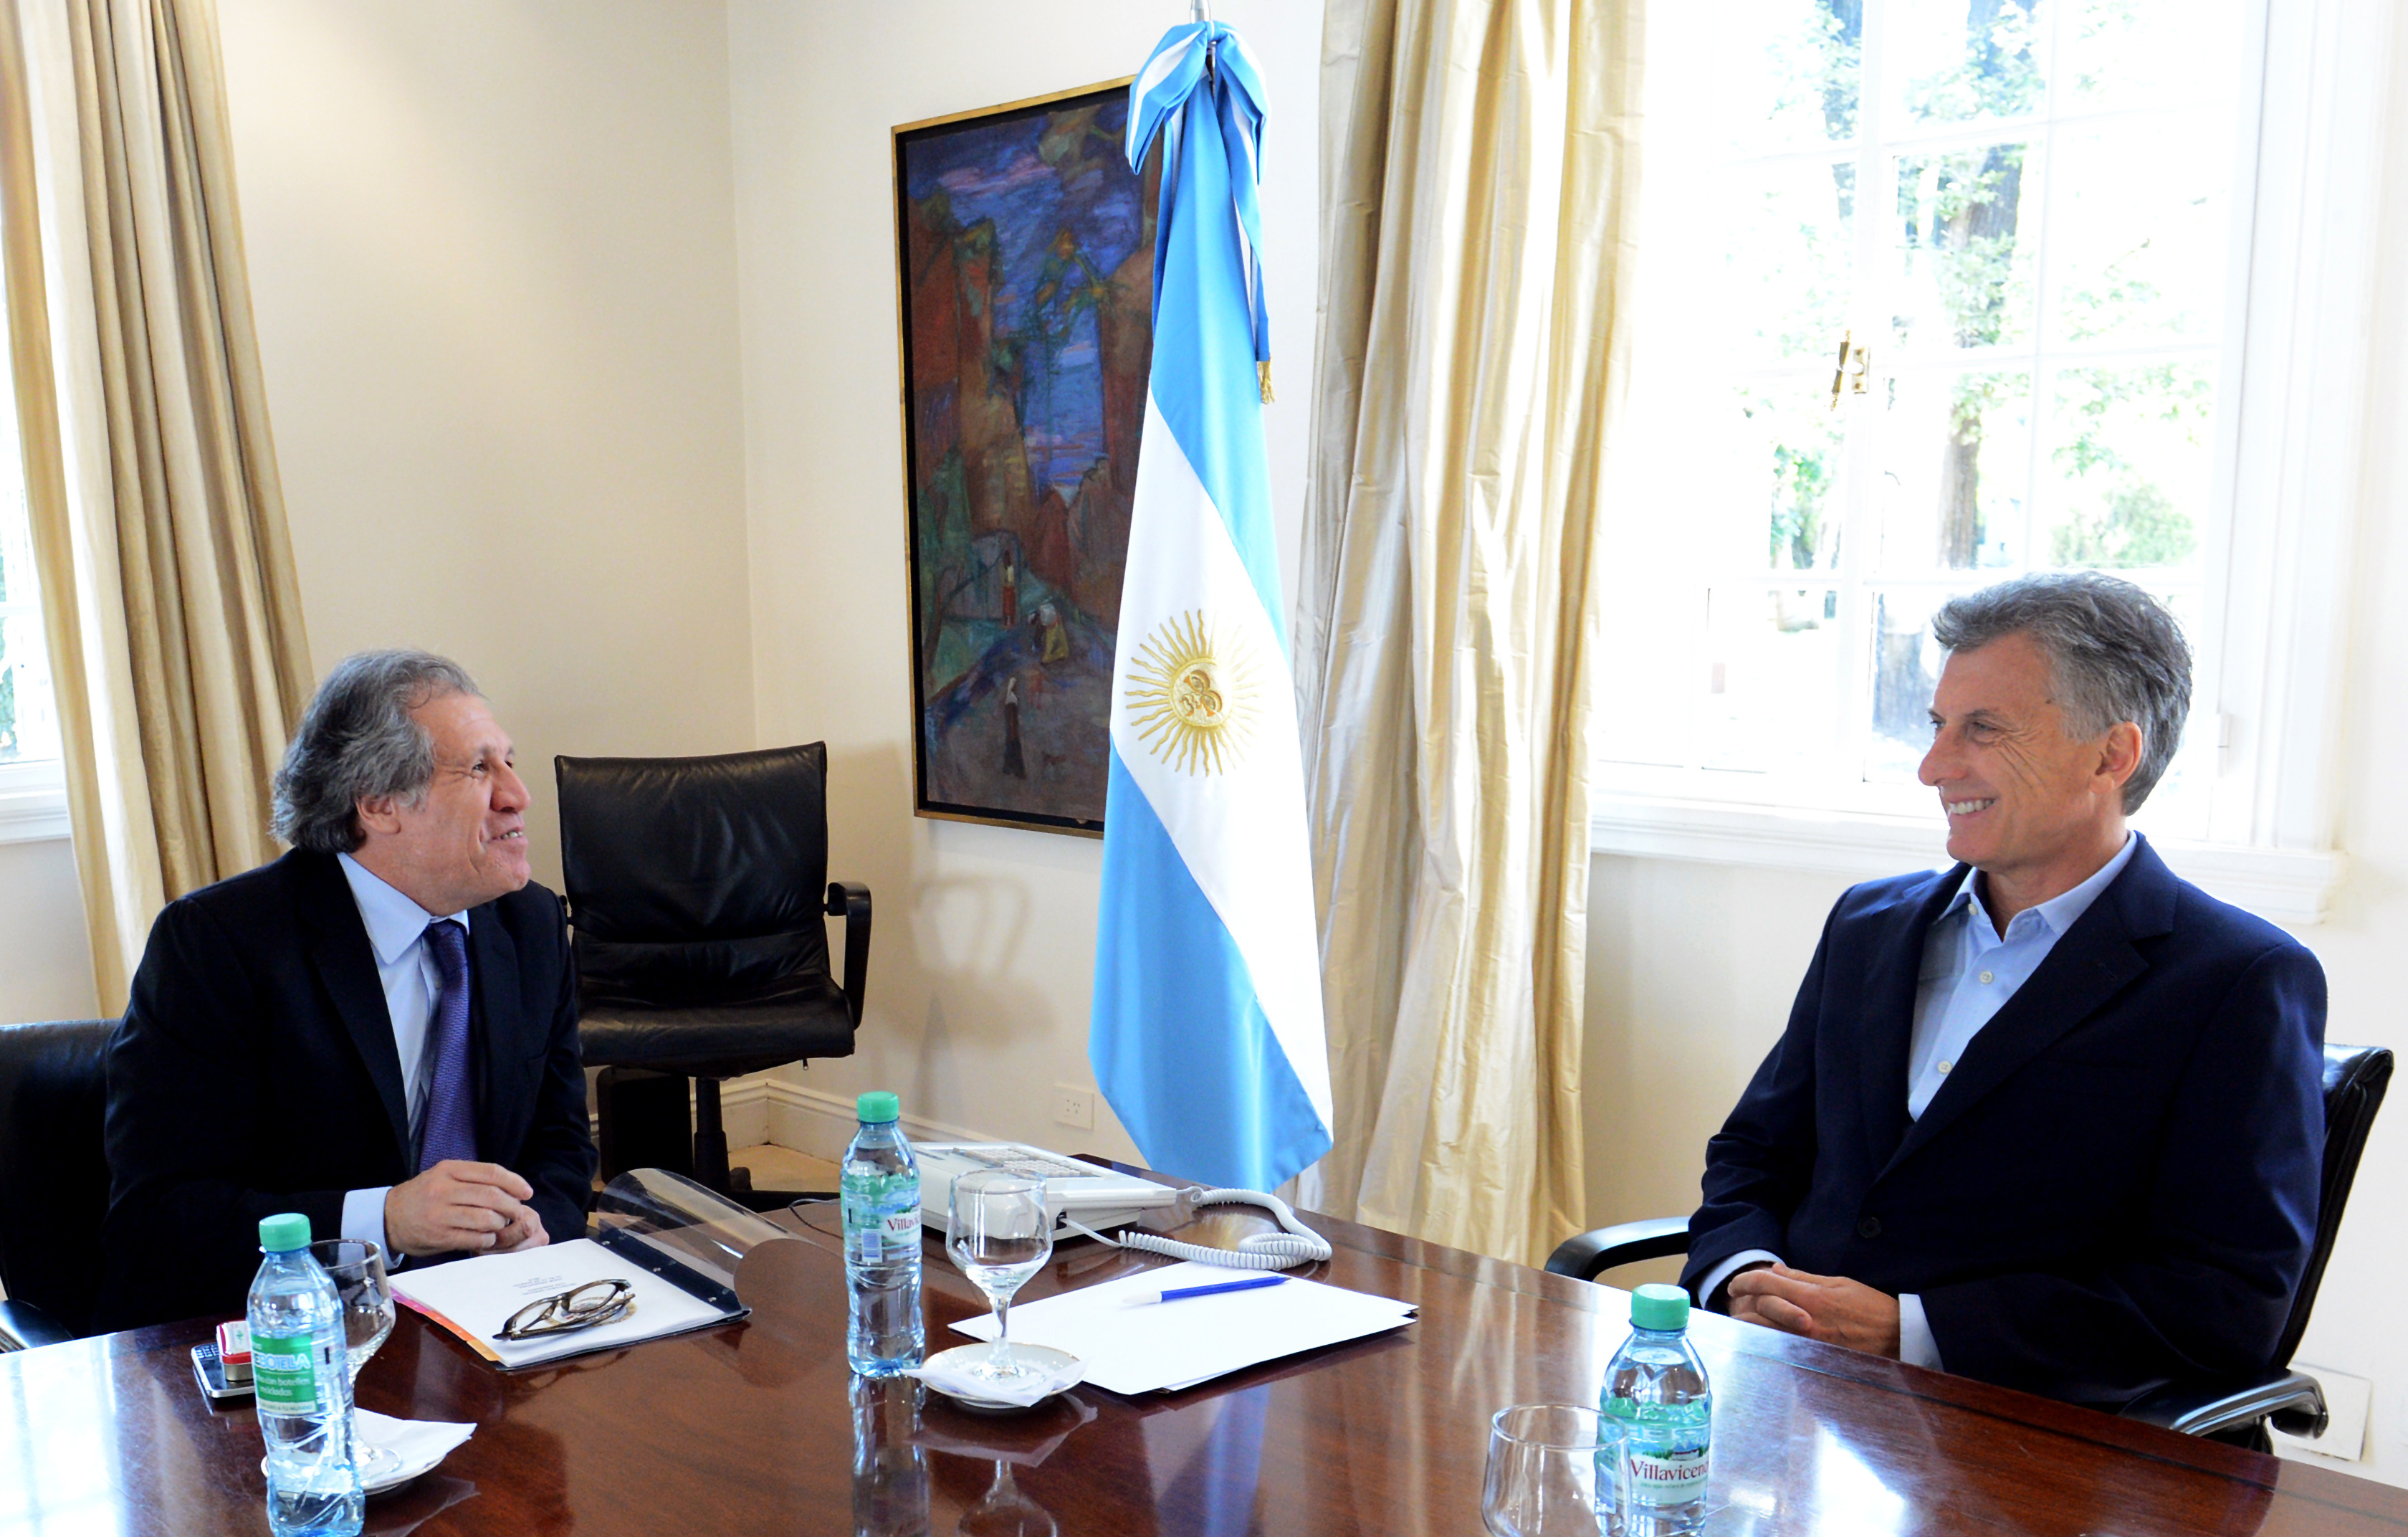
[2293,1398]
[26,1327]
[1593,1253]
[850,901]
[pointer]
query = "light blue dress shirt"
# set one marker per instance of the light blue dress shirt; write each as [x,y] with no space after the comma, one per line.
[1970,971]
[406,970]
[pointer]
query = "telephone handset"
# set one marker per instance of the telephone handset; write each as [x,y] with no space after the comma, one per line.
[1297,1245]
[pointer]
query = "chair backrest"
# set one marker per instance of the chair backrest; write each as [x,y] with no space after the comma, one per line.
[53,1164]
[695,881]
[2354,1079]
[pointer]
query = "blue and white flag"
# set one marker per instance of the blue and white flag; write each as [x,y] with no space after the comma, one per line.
[1207,1033]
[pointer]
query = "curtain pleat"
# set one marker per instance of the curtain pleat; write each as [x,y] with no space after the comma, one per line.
[1479,185]
[169,596]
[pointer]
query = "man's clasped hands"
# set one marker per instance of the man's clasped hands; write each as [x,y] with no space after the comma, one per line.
[457,1206]
[1831,1308]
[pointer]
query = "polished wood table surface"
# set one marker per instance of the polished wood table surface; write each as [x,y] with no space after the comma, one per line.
[757,1428]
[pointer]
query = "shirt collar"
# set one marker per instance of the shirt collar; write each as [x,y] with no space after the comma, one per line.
[394,922]
[2058,914]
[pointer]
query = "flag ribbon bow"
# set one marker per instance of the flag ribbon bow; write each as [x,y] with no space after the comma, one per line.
[1183,65]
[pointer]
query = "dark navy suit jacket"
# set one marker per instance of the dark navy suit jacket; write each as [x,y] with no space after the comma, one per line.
[255,1072]
[2114,1188]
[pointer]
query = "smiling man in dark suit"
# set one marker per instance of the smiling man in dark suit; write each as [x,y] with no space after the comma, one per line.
[377,1030]
[2052,1118]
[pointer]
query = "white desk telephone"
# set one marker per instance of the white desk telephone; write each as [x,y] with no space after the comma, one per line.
[1087,1199]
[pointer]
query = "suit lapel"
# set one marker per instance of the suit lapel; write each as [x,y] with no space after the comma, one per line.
[2092,963]
[1890,984]
[339,949]
[496,960]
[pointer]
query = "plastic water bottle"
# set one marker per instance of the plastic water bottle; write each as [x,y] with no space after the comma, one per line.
[889,1470]
[1657,1387]
[301,1382]
[881,1185]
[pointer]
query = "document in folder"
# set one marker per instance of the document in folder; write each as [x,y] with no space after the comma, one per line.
[1164,1346]
[475,1297]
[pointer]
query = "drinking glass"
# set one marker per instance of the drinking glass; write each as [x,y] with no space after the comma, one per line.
[358,1272]
[1542,1472]
[1001,1235]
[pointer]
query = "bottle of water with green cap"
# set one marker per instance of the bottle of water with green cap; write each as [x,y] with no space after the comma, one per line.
[302,1385]
[879,1188]
[1656,1388]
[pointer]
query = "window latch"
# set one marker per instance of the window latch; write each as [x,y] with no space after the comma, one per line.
[1855,365]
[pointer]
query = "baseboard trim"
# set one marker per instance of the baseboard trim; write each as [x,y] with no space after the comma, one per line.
[765,1109]
[821,1123]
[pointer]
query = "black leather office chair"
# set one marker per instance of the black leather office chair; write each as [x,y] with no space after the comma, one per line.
[2355,1080]
[54,1178]
[696,889]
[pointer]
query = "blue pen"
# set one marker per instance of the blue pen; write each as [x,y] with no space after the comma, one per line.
[1177,1293]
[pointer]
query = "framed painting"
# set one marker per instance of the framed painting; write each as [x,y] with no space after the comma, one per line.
[1025,259]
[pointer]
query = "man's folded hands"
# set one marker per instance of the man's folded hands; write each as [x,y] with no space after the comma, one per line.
[1831,1308]
[462,1207]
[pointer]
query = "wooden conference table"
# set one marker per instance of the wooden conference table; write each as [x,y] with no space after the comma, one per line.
[756,1428]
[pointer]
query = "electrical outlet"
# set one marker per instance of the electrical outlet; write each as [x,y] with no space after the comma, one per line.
[1074,1107]
[2345,1400]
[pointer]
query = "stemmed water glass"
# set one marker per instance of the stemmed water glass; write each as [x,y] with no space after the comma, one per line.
[357,1269]
[1001,1235]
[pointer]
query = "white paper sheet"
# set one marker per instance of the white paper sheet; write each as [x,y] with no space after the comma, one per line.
[1168,1346]
[476,1297]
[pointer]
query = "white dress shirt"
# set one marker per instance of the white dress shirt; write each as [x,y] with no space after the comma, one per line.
[1970,971]
[412,982]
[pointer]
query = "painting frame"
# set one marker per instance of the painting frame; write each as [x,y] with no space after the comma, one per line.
[1023,276]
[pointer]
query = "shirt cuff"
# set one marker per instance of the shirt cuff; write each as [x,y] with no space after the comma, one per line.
[363,1222]
[1916,1345]
[1724,1272]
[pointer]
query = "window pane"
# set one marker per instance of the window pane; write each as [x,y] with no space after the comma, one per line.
[1965,267]
[1799,85]
[1906,664]
[2125,478]
[1789,451]
[2139,240]
[1955,454]
[1957,60]
[28,730]
[1772,678]
[1786,249]
[2115,53]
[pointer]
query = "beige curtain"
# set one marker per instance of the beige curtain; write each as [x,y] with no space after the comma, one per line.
[168,594]
[1478,192]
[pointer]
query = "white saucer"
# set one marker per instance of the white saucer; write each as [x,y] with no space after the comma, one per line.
[1045,1358]
[401,1474]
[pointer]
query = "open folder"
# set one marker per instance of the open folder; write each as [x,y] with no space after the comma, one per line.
[1164,1346]
[474,1298]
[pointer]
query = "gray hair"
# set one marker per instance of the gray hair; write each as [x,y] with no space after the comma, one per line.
[2114,651]
[357,741]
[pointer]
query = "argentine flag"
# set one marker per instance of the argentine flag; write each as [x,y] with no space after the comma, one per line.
[1207,1033]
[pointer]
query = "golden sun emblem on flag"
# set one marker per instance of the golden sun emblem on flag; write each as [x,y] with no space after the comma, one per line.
[1192,694]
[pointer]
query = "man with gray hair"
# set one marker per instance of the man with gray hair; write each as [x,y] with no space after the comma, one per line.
[377,1030]
[2054,1118]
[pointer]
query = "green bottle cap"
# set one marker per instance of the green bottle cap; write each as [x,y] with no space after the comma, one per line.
[878,1105]
[1660,1307]
[284,1232]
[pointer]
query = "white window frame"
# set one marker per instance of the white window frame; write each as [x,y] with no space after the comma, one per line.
[2295,391]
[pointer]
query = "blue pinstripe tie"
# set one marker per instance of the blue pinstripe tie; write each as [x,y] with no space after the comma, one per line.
[450,1099]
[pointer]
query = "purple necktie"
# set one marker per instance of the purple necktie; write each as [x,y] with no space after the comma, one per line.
[450,1099]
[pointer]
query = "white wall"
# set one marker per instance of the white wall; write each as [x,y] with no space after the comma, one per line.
[491,249]
[981,969]
[45,958]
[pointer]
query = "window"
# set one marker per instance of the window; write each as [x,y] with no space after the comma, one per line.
[32,804]
[1942,291]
